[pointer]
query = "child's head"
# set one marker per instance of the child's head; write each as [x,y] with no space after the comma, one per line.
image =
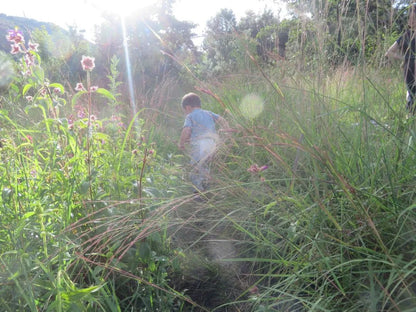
[192,100]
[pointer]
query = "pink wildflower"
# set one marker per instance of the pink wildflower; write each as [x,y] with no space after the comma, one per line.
[79,87]
[29,98]
[15,36]
[255,168]
[81,114]
[93,88]
[70,121]
[57,90]
[262,168]
[33,46]
[87,63]
[117,120]
[16,49]
[29,59]
[254,290]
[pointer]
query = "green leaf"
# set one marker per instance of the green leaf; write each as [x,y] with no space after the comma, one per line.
[57,85]
[152,266]
[106,93]
[14,88]
[269,206]
[28,215]
[144,250]
[84,187]
[156,238]
[27,88]
[39,74]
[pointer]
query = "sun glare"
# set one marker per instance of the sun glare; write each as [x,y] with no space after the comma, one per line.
[120,7]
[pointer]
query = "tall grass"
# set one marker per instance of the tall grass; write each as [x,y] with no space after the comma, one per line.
[311,205]
[326,225]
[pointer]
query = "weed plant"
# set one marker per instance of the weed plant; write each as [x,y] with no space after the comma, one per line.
[310,208]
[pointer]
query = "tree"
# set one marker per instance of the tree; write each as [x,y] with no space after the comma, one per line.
[346,30]
[154,41]
[220,43]
[265,30]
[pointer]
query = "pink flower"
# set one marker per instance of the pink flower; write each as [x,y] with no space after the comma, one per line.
[29,98]
[87,63]
[81,114]
[29,59]
[93,88]
[57,90]
[255,168]
[43,91]
[33,46]
[16,49]
[15,36]
[79,87]
[262,168]
[254,290]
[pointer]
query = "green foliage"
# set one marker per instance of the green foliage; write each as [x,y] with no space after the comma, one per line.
[312,200]
[62,169]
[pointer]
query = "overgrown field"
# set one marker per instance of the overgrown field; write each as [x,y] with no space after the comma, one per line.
[310,208]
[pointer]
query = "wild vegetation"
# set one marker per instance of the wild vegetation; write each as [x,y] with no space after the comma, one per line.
[312,201]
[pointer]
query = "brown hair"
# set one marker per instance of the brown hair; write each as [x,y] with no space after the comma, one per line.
[191,99]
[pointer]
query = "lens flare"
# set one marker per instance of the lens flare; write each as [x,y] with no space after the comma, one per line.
[6,71]
[129,75]
[251,106]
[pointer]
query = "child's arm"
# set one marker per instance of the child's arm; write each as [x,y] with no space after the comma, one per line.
[185,137]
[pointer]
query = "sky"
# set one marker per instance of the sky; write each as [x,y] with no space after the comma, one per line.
[86,13]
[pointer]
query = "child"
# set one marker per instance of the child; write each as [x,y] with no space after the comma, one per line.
[199,131]
[404,49]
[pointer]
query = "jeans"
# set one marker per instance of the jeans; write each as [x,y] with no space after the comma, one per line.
[202,151]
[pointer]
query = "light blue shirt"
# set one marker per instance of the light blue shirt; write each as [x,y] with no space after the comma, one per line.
[202,124]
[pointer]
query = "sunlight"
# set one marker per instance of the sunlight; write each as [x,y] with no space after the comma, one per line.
[123,8]
[129,75]
[120,7]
